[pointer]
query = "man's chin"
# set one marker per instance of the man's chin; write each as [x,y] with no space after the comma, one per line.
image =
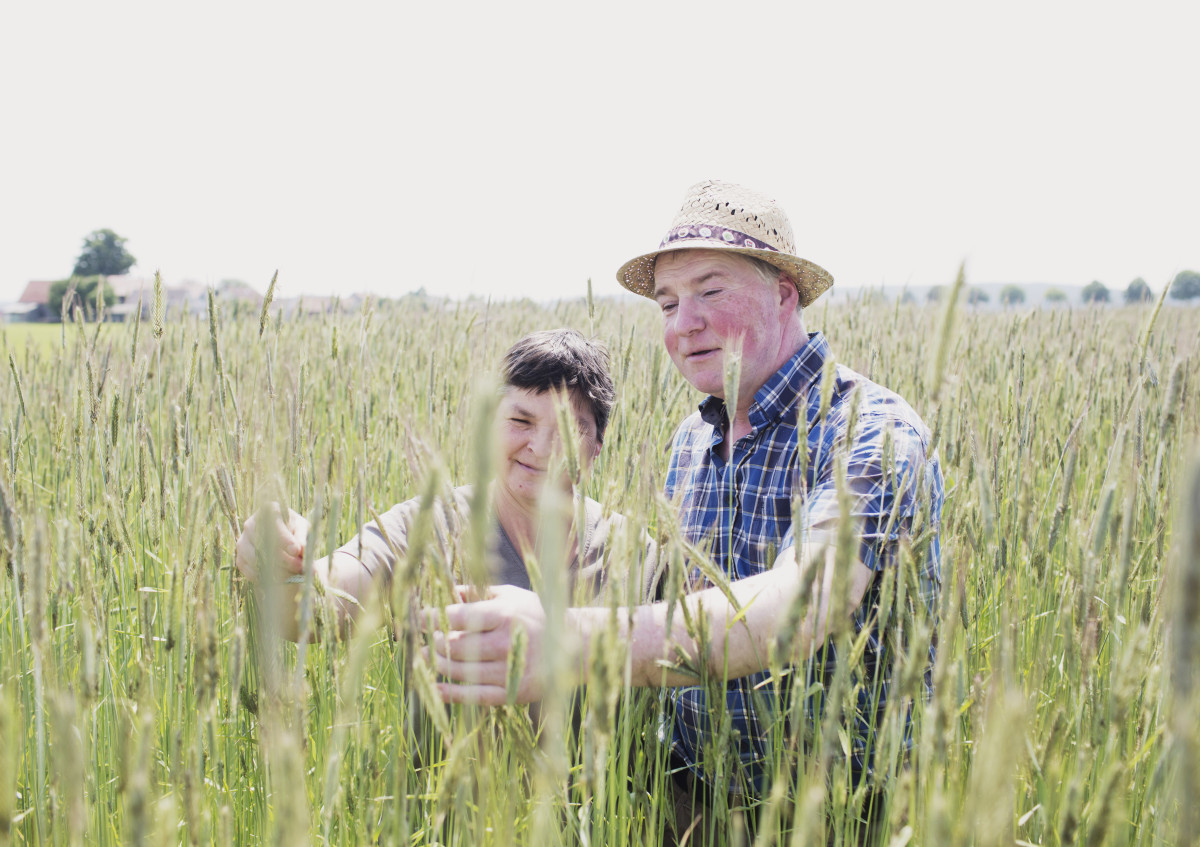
[707,382]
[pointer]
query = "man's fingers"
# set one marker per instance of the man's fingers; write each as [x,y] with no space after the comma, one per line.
[471,594]
[470,673]
[488,646]
[464,617]
[479,695]
[474,617]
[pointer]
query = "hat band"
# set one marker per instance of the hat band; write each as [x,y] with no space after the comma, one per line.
[715,233]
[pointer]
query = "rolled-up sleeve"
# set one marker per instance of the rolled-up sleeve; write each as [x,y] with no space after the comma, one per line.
[885,468]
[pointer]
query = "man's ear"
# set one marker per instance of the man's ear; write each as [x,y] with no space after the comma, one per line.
[789,292]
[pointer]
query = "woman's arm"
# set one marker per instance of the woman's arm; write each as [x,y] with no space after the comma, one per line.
[270,554]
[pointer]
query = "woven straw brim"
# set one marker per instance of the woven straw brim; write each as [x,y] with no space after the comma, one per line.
[811,280]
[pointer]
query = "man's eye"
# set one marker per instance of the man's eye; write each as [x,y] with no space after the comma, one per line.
[712,291]
[519,421]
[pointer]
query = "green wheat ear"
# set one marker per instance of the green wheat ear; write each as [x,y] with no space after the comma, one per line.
[159,312]
[946,333]
[516,665]
[1184,680]
[483,469]
[732,376]
[266,306]
[12,366]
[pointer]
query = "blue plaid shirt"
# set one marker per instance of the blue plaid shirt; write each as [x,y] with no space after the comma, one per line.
[741,511]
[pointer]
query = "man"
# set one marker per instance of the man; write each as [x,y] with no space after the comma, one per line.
[775,467]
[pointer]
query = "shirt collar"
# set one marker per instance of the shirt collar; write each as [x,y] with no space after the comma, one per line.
[781,392]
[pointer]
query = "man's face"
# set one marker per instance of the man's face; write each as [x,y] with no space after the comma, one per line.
[529,437]
[710,302]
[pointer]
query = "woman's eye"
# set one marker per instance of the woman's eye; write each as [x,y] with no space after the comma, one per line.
[667,308]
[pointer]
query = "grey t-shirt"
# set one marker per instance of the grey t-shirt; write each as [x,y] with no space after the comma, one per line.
[380,544]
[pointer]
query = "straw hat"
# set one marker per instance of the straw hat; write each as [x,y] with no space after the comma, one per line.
[722,216]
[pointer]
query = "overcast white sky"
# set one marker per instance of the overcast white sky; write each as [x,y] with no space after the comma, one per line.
[517,149]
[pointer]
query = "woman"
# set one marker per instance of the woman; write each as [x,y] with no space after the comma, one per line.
[537,369]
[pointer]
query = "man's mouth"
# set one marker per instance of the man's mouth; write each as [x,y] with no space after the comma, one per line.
[701,354]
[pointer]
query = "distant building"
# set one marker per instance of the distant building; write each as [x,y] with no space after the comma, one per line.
[239,292]
[313,304]
[19,312]
[128,290]
[185,298]
[34,304]
[189,298]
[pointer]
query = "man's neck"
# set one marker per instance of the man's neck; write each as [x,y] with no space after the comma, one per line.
[739,425]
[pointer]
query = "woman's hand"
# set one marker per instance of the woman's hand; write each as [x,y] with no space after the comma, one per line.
[271,541]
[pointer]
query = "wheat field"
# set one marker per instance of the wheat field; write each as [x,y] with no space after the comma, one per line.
[143,701]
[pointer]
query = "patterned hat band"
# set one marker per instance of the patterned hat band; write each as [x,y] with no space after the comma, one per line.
[694,226]
[719,233]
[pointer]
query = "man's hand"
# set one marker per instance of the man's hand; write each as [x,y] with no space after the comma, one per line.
[276,541]
[473,649]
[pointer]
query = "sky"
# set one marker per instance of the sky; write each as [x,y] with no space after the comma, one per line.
[518,149]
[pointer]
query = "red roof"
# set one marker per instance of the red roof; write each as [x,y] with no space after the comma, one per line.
[37,291]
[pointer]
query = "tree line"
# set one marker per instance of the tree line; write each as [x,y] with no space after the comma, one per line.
[104,255]
[1185,286]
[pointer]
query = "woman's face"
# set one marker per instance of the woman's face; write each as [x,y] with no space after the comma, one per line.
[529,438]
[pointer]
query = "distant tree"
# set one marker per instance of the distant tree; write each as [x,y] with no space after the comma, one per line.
[1012,295]
[1095,292]
[975,296]
[104,254]
[83,297]
[935,294]
[1055,295]
[908,298]
[1186,285]
[1138,292]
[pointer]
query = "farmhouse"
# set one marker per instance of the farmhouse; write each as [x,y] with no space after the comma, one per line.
[187,298]
[33,305]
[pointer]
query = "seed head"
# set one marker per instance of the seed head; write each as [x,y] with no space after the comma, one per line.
[262,319]
[160,309]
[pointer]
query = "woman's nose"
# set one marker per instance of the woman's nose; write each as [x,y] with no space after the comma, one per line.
[544,440]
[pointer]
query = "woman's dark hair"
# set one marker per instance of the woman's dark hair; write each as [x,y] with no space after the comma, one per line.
[563,359]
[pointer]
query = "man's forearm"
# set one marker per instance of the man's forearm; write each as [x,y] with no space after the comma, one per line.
[661,650]
[737,637]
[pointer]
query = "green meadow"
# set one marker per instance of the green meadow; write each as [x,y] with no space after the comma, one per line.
[143,700]
[44,337]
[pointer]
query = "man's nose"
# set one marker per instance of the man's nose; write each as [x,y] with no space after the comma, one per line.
[688,317]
